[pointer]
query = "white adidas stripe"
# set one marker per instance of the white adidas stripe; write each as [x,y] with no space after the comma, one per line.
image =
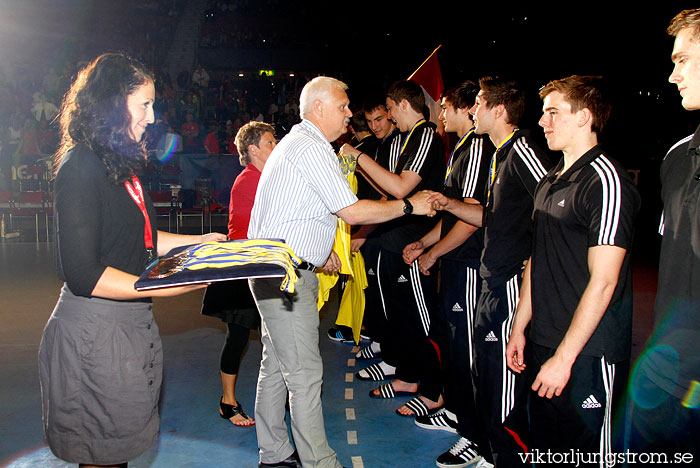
[470,305]
[508,389]
[612,199]
[426,139]
[419,297]
[528,156]
[684,140]
[472,176]
[394,153]
[379,283]
[608,372]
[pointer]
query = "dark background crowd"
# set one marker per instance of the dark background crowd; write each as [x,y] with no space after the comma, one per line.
[366,44]
[204,103]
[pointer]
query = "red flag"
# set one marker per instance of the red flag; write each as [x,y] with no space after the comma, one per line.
[429,77]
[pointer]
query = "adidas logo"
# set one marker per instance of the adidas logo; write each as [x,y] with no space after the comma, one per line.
[457,308]
[402,279]
[370,272]
[590,403]
[561,203]
[491,337]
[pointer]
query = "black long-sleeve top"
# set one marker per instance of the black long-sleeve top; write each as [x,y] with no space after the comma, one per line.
[97,223]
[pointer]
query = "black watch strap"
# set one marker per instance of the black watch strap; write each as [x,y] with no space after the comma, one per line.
[407,207]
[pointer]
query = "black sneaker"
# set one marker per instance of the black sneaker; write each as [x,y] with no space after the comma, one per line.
[442,420]
[336,334]
[462,455]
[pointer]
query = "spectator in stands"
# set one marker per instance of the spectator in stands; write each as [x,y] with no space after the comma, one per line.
[51,82]
[229,137]
[200,77]
[42,108]
[190,133]
[291,107]
[273,110]
[220,108]
[211,142]
[164,77]
[185,106]
[197,100]
[232,106]
[46,137]
[184,79]
[28,151]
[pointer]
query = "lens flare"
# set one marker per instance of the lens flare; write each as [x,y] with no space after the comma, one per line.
[644,392]
[167,146]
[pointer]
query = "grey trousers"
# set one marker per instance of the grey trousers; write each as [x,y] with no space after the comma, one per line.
[291,363]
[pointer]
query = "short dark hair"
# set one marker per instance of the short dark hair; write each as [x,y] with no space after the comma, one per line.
[686,19]
[410,91]
[497,90]
[374,101]
[250,134]
[463,96]
[94,112]
[359,122]
[584,92]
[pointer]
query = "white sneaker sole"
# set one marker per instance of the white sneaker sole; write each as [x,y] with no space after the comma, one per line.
[473,463]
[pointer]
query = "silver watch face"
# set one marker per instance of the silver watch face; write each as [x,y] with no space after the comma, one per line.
[407,207]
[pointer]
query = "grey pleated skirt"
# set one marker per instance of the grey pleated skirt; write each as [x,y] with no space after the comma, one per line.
[100,369]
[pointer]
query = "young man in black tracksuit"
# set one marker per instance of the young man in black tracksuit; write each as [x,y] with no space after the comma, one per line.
[408,295]
[516,168]
[576,293]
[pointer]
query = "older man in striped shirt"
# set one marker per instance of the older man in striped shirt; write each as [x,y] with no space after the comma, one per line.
[301,192]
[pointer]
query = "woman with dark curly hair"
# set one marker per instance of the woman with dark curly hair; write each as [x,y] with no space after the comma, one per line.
[100,358]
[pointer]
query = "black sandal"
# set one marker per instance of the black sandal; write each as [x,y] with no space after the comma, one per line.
[228,411]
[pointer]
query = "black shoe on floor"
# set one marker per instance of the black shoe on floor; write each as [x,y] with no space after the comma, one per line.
[442,420]
[464,454]
[291,461]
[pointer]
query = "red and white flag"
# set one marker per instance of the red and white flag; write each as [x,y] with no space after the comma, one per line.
[429,77]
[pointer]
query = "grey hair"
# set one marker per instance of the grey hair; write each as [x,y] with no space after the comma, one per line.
[317,89]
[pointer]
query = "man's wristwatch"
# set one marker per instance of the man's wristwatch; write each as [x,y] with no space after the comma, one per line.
[407,207]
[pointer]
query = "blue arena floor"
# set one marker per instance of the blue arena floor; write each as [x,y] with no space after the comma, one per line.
[364,432]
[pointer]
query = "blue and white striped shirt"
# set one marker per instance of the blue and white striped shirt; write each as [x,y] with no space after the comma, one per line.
[300,189]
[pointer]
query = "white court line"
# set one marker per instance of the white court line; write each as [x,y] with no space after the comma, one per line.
[350,412]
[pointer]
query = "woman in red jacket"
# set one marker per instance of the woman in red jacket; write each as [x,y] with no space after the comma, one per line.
[232,301]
